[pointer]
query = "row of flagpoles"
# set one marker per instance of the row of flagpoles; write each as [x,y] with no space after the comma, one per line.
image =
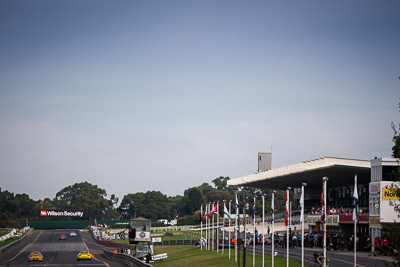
[213,209]
[208,219]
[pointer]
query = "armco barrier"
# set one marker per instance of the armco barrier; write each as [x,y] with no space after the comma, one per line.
[125,259]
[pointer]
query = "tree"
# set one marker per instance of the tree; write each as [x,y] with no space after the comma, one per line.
[205,188]
[131,205]
[218,195]
[111,211]
[221,182]
[193,200]
[46,204]
[176,205]
[12,205]
[155,205]
[6,222]
[82,196]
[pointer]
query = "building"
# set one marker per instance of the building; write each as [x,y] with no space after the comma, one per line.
[373,178]
[382,197]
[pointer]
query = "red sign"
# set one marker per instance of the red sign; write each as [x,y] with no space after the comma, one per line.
[43,212]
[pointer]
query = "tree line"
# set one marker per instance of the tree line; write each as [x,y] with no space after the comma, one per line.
[151,204]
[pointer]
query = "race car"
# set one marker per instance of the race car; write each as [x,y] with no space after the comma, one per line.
[84,255]
[35,256]
[62,237]
[72,234]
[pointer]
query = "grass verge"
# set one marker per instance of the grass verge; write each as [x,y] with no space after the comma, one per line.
[193,257]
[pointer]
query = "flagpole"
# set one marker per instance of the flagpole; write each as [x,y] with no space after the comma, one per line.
[201,227]
[355,218]
[244,228]
[236,227]
[223,230]
[213,226]
[273,223]
[263,232]
[287,227]
[229,233]
[207,227]
[254,232]
[238,232]
[302,223]
[217,225]
[325,179]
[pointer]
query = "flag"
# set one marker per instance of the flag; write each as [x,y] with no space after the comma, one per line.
[214,211]
[203,217]
[287,210]
[205,214]
[122,235]
[226,212]
[302,206]
[254,209]
[261,212]
[323,204]
[355,203]
[322,197]
[244,213]
[237,206]
[272,206]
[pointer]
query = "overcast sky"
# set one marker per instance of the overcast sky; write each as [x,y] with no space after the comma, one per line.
[135,96]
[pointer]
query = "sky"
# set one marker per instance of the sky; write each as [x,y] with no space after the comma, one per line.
[136,96]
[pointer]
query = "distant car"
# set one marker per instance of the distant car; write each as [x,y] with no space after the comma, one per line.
[35,256]
[84,255]
[62,237]
[72,234]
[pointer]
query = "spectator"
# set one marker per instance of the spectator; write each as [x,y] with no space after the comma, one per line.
[368,246]
[328,242]
[320,260]
[377,247]
[385,246]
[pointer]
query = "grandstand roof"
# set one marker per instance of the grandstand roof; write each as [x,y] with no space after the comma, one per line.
[340,172]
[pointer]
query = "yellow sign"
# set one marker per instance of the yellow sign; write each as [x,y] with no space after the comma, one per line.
[390,194]
[374,221]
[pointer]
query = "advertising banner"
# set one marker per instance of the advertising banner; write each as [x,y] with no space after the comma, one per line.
[142,236]
[63,213]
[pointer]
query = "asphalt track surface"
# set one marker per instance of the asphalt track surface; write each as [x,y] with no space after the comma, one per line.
[343,258]
[56,253]
[59,253]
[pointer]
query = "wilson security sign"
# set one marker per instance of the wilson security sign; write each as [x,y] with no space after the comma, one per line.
[57,213]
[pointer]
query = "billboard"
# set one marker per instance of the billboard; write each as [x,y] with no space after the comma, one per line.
[388,198]
[63,213]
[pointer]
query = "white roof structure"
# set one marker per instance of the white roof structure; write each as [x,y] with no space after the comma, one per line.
[340,172]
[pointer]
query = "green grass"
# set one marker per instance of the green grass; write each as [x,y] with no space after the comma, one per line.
[3,233]
[9,240]
[193,257]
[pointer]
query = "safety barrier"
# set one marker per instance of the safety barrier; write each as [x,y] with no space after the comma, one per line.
[124,258]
